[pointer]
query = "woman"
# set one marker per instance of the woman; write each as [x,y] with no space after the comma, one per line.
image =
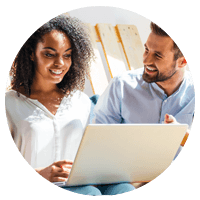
[46,110]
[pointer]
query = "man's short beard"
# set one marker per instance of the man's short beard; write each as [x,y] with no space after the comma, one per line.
[160,77]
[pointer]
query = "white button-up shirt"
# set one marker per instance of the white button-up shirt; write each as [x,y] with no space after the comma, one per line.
[41,137]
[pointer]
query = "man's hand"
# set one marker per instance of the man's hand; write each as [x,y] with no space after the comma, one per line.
[58,171]
[170,119]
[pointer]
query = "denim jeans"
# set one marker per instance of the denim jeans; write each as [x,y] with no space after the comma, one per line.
[102,189]
[177,153]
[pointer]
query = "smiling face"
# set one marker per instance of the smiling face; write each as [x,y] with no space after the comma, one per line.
[52,58]
[158,59]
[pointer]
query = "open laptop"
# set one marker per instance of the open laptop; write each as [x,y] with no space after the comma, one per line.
[110,153]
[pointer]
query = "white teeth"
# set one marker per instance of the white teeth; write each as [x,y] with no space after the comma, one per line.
[151,69]
[56,72]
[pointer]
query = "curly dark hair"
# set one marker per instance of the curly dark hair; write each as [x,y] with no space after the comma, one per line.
[23,68]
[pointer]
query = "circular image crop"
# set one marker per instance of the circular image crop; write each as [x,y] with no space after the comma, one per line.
[100,104]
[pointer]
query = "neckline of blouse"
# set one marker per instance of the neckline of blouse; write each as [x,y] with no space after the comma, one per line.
[63,104]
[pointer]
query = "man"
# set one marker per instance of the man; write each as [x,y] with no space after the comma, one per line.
[146,95]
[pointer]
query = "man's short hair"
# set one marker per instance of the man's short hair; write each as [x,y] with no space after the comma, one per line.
[158,31]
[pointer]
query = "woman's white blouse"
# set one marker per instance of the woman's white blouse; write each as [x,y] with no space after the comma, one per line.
[41,137]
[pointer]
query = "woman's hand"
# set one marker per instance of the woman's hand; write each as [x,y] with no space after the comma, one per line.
[58,171]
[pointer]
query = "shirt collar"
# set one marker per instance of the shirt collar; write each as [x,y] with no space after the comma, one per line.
[159,91]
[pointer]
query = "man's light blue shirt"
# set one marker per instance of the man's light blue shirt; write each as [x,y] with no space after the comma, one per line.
[129,99]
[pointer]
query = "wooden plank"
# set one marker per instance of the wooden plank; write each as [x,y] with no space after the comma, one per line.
[132,45]
[111,49]
[137,185]
[66,13]
[184,139]
[98,78]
